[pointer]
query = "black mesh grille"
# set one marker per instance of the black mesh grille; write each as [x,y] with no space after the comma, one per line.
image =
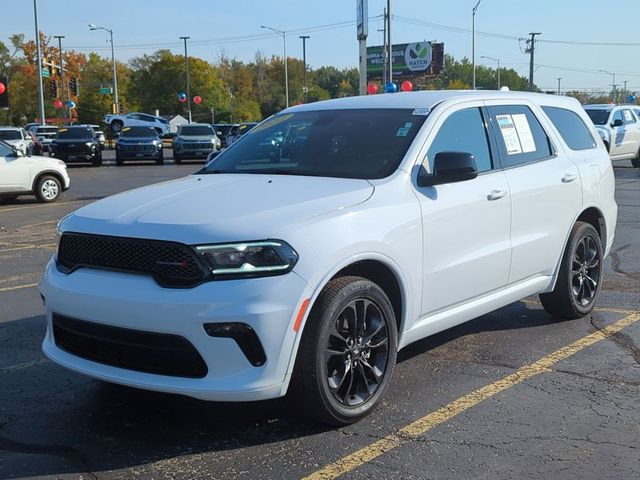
[149,352]
[171,264]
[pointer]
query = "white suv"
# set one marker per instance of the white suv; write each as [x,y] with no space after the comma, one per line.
[18,138]
[619,128]
[135,119]
[44,177]
[332,235]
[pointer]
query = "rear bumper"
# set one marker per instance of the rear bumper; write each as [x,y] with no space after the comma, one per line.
[136,302]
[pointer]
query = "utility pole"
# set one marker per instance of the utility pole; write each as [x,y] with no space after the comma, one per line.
[213,116]
[389,44]
[473,41]
[362,32]
[305,89]
[39,64]
[186,66]
[531,50]
[613,85]
[559,78]
[67,110]
[624,92]
[384,47]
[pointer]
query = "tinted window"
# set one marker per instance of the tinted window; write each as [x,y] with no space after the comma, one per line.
[139,132]
[571,127]
[5,150]
[521,138]
[76,133]
[10,135]
[354,143]
[196,130]
[463,131]
[598,116]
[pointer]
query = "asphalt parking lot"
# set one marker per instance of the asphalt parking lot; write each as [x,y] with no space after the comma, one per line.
[511,394]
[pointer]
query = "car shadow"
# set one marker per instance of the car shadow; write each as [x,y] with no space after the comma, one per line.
[46,410]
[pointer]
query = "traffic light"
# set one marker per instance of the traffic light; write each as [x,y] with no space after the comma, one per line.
[53,88]
[73,86]
[4,93]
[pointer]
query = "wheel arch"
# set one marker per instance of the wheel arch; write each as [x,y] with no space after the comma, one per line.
[51,173]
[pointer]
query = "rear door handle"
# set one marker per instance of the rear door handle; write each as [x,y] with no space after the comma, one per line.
[569,177]
[496,194]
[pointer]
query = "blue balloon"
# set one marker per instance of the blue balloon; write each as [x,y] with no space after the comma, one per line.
[631,98]
[71,104]
[182,97]
[391,87]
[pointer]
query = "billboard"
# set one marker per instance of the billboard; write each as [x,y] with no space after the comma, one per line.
[409,60]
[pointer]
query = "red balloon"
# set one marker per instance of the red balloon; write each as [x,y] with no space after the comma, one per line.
[57,104]
[197,99]
[406,86]
[372,89]
[3,88]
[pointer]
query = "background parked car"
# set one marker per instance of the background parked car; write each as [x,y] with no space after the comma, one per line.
[16,137]
[619,128]
[195,140]
[43,177]
[99,134]
[135,119]
[222,130]
[45,134]
[77,144]
[237,131]
[139,143]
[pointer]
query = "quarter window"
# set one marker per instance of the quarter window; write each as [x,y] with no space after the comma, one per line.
[463,131]
[571,127]
[5,150]
[520,137]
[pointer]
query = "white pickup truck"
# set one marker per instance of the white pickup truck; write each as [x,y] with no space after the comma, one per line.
[619,128]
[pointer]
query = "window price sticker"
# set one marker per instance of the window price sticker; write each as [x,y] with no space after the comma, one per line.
[509,134]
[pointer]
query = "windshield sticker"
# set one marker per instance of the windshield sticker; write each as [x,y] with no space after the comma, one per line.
[627,115]
[421,111]
[509,134]
[524,133]
[63,130]
[126,129]
[408,125]
[403,131]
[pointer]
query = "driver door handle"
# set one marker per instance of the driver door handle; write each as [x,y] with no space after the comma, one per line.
[496,194]
[569,177]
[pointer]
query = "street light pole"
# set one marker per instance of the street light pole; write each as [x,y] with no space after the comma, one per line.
[116,105]
[67,110]
[305,89]
[495,60]
[186,66]
[39,64]
[286,74]
[473,41]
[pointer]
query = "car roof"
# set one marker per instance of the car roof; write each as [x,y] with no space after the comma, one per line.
[195,125]
[600,106]
[431,98]
[10,128]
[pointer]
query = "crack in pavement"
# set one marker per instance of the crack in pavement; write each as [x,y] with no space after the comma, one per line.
[68,452]
[624,341]
[615,263]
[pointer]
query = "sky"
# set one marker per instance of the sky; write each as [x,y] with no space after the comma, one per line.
[233,27]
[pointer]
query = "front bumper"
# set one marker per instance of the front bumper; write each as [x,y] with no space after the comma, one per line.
[136,302]
[70,155]
[193,150]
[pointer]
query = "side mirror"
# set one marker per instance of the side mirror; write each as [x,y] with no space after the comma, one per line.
[617,123]
[449,167]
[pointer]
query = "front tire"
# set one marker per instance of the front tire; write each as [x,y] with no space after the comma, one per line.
[160,159]
[347,352]
[177,159]
[580,276]
[48,189]
[636,161]
[116,126]
[119,161]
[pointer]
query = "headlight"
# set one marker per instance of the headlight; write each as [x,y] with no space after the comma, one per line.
[157,142]
[248,259]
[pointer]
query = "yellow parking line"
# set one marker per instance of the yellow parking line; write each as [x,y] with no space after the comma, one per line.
[28,247]
[18,287]
[22,366]
[621,311]
[36,224]
[464,403]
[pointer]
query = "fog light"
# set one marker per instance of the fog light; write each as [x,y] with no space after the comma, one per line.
[245,337]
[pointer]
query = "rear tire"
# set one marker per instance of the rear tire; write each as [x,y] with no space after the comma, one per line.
[116,126]
[48,189]
[347,352]
[580,276]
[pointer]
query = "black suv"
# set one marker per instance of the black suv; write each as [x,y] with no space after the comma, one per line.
[77,144]
[139,143]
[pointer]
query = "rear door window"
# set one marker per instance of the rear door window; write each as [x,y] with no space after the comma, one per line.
[571,127]
[628,117]
[520,136]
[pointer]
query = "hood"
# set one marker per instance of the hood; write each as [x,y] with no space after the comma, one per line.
[137,139]
[603,131]
[217,207]
[72,140]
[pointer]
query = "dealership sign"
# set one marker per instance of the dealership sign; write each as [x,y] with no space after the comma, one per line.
[409,59]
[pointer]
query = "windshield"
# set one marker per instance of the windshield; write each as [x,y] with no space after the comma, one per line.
[355,143]
[222,129]
[47,130]
[10,135]
[245,127]
[75,133]
[199,130]
[139,132]
[598,116]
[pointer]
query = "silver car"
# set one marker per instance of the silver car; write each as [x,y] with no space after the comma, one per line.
[195,140]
